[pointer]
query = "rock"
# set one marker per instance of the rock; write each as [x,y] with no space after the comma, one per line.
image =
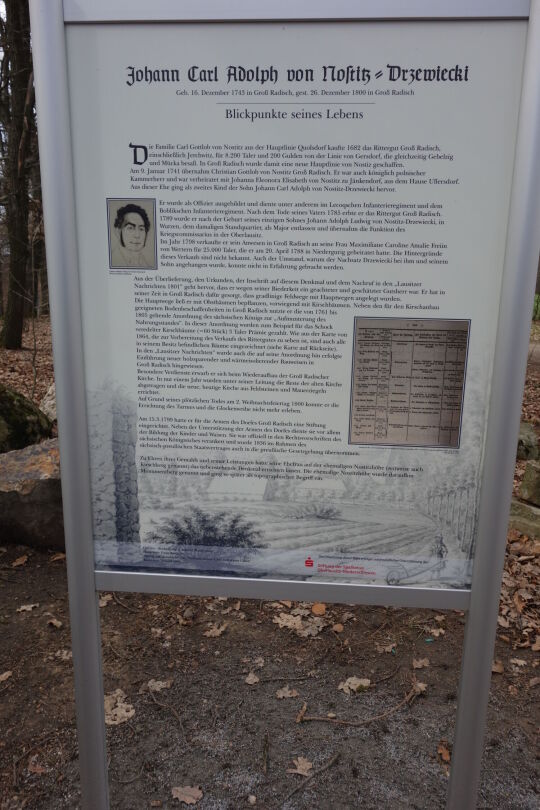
[530,485]
[31,497]
[525,518]
[527,442]
[21,422]
[48,403]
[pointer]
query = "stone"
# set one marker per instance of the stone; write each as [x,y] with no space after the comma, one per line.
[527,442]
[530,484]
[48,403]
[21,422]
[525,518]
[31,496]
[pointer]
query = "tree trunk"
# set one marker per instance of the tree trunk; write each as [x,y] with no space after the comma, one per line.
[38,258]
[40,278]
[44,284]
[20,107]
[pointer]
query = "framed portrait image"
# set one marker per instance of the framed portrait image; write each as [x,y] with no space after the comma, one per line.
[131,225]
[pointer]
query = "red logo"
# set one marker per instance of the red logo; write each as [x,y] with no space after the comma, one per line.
[309,563]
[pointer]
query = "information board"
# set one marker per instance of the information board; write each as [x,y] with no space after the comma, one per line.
[291,266]
[291,248]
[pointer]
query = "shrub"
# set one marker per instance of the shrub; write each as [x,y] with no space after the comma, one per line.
[199,528]
[320,511]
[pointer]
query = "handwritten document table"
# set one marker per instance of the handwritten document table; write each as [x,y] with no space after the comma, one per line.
[407,381]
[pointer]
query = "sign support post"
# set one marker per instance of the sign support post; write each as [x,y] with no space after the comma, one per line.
[523,241]
[48,45]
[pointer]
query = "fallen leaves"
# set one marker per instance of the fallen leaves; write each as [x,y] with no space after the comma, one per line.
[302,766]
[519,600]
[444,755]
[53,622]
[419,687]
[353,685]
[117,709]
[5,675]
[497,667]
[58,557]
[420,663]
[105,599]
[308,619]
[187,794]
[304,629]
[234,609]
[30,370]
[20,561]
[27,608]
[519,609]
[443,751]
[288,621]
[158,686]
[386,648]
[312,627]
[285,692]
[216,630]
[35,767]
[252,679]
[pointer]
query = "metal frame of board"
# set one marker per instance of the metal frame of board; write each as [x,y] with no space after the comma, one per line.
[48,19]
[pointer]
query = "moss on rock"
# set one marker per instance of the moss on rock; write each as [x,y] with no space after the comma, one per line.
[21,422]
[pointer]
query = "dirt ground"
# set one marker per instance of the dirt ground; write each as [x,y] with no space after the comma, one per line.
[225,704]
[206,726]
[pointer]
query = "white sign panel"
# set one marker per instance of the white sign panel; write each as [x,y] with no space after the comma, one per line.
[291,242]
